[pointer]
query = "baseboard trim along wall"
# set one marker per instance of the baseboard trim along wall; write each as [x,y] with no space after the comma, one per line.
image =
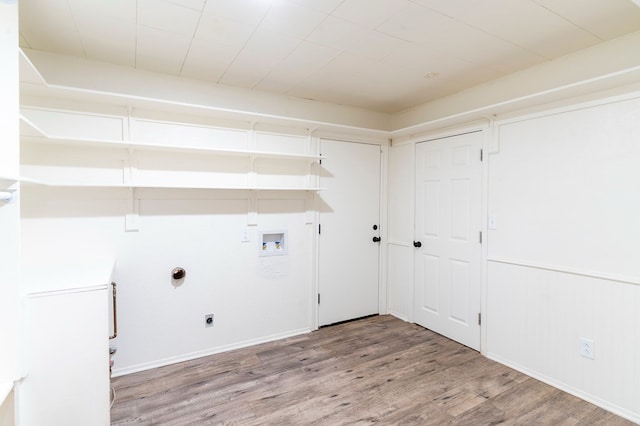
[206,352]
[607,405]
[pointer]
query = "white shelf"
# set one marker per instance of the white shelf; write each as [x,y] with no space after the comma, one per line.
[8,180]
[162,165]
[35,182]
[171,148]
[31,133]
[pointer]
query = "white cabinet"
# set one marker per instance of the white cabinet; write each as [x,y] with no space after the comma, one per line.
[67,348]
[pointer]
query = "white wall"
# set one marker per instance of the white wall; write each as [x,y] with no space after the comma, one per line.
[563,261]
[253,298]
[400,231]
[149,231]
[9,213]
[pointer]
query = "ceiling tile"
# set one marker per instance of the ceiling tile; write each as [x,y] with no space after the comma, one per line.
[368,53]
[440,34]
[23,42]
[246,11]
[49,26]
[191,4]
[169,17]
[207,60]
[261,53]
[369,13]
[306,58]
[519,23]
[606,19]
[336,32]
[120,10]
[160,51]
[374,45]
[326,6]
[102,43]
[223,31]
[291,19]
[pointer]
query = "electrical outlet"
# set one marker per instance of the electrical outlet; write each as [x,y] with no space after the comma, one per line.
[208,320]
[587,348]
[245,238]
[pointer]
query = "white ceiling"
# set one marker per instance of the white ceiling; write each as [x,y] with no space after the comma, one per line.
[382,55]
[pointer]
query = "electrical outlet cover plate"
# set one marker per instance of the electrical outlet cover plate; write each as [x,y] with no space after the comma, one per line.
[587,348]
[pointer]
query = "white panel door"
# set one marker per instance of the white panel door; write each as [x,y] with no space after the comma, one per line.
[448,248]
[349,211]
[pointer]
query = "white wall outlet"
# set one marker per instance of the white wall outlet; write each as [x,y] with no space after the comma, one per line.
[245,238]
[493,222]
[587,348]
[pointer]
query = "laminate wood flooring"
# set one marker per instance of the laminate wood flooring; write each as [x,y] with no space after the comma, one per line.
[378,370]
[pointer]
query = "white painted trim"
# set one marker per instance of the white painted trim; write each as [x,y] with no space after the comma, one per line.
[523,116]
[510,104]
[460,129]
[488,133]
[399,316]
[622,412]
[383,291]
[206,352]
[566,270]
[142,100]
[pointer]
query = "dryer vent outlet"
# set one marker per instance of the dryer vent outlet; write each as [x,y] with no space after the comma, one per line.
[208,320]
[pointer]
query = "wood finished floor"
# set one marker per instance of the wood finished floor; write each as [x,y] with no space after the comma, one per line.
[377,370]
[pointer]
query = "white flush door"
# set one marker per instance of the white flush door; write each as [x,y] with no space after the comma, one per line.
[447,247]
[349,211]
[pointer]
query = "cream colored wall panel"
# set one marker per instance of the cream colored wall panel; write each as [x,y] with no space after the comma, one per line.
[185,135]
[66,165]
[400,222]
[281,143]
[76,125]
[279,173]
[563,190]
[400,281]
[536,317]
[189,170]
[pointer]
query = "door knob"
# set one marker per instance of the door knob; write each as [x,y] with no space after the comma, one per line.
[417,244]
[376,239]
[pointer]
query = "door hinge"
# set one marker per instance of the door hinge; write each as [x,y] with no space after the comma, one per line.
[480,237]
[319,229]
[479,317]
[318,298]
[482,155]
[320,158]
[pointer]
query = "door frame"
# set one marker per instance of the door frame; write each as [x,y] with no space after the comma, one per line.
[384,144]
[489,146]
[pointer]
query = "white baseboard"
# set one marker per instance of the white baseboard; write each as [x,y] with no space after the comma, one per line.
[399,316]
[206,352]
[615,409]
